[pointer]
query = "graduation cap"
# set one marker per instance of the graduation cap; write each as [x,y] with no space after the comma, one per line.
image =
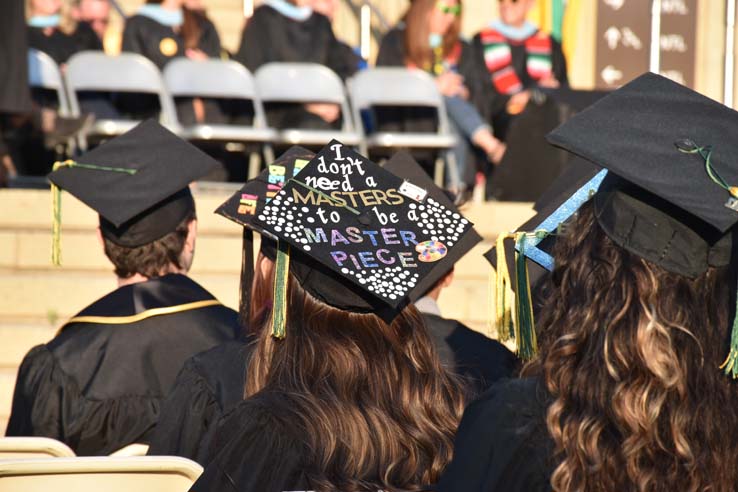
[356,236]
[137,182]
[250,200]
[668,196]
[403,165]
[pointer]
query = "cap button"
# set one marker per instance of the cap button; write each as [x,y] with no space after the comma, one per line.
[685,145]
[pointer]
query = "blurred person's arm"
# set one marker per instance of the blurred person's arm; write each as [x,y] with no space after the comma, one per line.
[256,41]
[558,60]
[495,102]
[392,49]
[209,40]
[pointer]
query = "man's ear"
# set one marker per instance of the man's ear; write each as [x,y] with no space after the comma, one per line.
[191,235]
[448,279]
[100,238]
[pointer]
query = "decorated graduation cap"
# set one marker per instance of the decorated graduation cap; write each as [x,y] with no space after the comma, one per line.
[138,183]
[356,236]
[668,195]
[251,199]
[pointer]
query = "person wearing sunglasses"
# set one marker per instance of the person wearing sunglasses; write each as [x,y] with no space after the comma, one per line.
[429,40]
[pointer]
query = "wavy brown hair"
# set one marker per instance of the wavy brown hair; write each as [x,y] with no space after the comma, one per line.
[630,356]
[375,407]
[417,48]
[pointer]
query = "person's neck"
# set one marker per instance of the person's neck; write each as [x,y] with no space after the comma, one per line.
[133,279]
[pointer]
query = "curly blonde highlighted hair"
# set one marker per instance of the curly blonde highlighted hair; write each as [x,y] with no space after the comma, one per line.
[631,355]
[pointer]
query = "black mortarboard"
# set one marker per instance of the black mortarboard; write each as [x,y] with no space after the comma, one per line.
[668,196]
[251,199]
[403,165]
[374,234]
[137,182]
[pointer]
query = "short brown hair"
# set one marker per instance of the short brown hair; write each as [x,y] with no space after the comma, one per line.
[151,259]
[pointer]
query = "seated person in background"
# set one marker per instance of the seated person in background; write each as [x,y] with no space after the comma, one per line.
[519,57]
[52,30]
[96,15]
[163,30]
[430,41]
[290,31]
[97,386]
[344,389]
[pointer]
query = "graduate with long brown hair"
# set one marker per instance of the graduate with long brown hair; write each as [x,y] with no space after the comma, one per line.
[628,390]
[344,387]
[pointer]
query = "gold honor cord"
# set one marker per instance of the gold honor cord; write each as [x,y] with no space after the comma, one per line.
[149,313]
[56,202]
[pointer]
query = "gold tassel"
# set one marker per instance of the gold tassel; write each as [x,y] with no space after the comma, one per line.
[504,292]
[281,278]
[56,216]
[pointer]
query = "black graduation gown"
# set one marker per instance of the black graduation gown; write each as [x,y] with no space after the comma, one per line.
[208,386]
[479,360]
[98,385]
[256,449]
[271,37]
[502,444]
[161,44]
[15,96]
[61,46]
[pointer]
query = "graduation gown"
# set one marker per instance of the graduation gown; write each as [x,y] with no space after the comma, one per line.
[61,46]
[256,449]
[271,37]
[15,95]
[161,44]
[479,360]
[209,385]
[98,385]
[502,444]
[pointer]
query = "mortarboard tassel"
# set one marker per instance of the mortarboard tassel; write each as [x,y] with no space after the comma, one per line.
[503,293]
[56,203]
[525,330]
[730,366]
[281,277]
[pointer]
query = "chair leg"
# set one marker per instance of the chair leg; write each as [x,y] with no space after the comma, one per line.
[438,171]
[454,181]
[268,153]
[254,165]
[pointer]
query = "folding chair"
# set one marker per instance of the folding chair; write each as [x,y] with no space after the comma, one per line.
[403,87]
[303,83]
[221,79]
[87,474]
[44,73]
[33,447]
[127,72]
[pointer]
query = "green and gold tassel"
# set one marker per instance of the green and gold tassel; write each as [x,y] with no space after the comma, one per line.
[525,329]
[730,366]
[56,203]
[281,277]
[504,295]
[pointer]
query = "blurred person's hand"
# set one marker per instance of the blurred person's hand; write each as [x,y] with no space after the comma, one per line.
[329,112]
[518,102]
[549,82]
[195,54]
[451,84]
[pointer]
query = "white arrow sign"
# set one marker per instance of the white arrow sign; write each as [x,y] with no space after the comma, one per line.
[612,36]
[611,75]
[615,4]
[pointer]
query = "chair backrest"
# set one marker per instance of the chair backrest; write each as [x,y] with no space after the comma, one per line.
[213,78]
[394,86]
[302,83]
[87,474]
[33,447]
[127,72]
[44,73]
